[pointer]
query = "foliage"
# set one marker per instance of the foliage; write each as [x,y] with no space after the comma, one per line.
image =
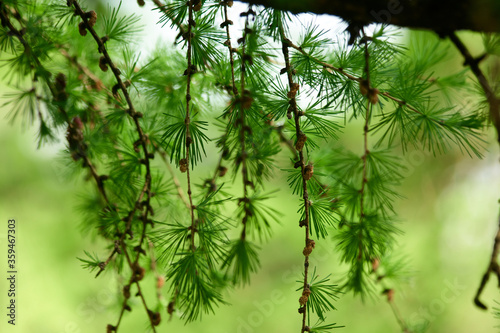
[123,112]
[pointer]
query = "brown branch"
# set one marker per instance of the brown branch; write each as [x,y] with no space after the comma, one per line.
[245,102]
[473,63]
[494,108]
[88,20]
[301,139]
[366,89]
[187,120]
[439,16]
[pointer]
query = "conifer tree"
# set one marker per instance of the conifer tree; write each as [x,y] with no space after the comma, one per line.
[139,128]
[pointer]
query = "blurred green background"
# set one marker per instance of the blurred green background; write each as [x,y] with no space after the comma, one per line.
[449,216]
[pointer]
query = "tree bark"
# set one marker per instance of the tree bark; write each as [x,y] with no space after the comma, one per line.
[441,16]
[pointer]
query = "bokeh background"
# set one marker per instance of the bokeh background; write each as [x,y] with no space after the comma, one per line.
[449,218]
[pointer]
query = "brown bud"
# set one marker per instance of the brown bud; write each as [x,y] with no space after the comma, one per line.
[110,328]
[390,294]
[373,95]
[222,171]
[308,171]
[197,6]
[183,165]
[170,308]
[246,102]
[141,3]
[301,140]
[103,64]
[364,87]
[81,29]
[160,282]
[309,248]
[138,272]
[305,296]
[115,89]
[293,90]
[155,317]
[92,16]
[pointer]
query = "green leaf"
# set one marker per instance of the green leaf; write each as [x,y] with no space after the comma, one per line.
[242,260]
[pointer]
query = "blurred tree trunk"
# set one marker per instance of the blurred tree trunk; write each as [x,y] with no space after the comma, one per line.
[440,16]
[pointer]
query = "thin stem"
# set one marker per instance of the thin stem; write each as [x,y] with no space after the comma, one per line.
[494,103]
[230,48]
[493,100]
[397,314]
[234,90]
[243,106]
[366,129]
[308,242]
[146,190]
[187,121]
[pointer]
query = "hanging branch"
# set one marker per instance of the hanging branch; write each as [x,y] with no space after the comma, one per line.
[306,172]
[187,120]
[220,171]
[371,93]
[389,293]
[245,102]
[494,110]
[88,21]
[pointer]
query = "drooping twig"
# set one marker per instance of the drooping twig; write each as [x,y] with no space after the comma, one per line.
[187,120]
[306,172]
[144,198]
[494,110]
[245,103]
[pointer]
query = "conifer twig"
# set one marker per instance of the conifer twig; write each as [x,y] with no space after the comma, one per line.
[227,23]
[301,139]
[187,120]
[137,273]
[245,101]
[366,89]
[494,110]
[359,79]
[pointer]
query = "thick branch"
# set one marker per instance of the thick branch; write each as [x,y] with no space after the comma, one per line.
[440,16]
